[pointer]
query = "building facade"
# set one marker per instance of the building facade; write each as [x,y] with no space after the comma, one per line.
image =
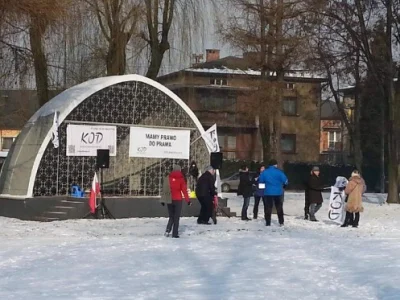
[218,91]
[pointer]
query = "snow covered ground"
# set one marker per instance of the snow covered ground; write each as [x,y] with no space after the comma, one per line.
[130,258]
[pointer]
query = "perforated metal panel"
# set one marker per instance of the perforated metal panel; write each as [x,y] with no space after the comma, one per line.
[124,104]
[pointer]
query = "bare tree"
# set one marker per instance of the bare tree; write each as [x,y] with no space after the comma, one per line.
[118,20]
[271,30]
[38,15]
[158,31]
[343,14]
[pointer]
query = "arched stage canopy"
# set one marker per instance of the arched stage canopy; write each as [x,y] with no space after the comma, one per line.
[35,168]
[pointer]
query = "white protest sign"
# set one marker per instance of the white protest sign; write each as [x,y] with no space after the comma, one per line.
[336,205]
[84,140]
[159,143]
[211,139]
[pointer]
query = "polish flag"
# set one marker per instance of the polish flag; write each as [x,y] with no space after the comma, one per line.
[94,191]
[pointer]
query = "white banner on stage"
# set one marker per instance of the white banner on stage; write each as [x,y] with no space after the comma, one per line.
[159,143]
[336,205]
[84,140]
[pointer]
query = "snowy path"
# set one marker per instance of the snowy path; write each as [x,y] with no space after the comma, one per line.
[130,259]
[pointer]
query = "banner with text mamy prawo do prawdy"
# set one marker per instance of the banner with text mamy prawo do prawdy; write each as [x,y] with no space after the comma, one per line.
[84,140]
[336,205]
[159,143]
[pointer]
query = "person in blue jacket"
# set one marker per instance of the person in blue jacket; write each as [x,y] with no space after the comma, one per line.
[275,181]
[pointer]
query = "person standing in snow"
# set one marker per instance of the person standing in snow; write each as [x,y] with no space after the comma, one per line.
[178,188]
[245,189]
[354,190]
[314,193]
[258,194]
[205,192]
[275,181]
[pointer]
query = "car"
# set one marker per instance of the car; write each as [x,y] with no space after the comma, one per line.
[231,183]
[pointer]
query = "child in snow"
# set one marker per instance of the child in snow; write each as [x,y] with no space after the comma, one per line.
[354,189]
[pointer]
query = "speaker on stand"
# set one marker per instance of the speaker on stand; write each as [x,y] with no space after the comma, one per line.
[103,162]
[216,160]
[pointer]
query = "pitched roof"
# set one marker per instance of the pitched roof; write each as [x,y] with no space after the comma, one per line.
[245,66]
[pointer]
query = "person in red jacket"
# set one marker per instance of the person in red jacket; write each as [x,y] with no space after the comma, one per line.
[178,188]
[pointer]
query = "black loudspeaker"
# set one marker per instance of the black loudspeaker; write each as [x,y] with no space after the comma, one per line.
[216,160]
[103,159]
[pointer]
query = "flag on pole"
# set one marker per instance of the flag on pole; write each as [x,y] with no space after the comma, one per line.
[55,140]
[94,191]
[211,139]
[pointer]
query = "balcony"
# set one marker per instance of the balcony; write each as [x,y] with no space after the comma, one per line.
[225,119]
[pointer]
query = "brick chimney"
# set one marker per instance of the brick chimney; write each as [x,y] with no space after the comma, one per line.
[212,54]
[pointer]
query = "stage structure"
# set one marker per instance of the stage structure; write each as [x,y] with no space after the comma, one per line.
[146,127]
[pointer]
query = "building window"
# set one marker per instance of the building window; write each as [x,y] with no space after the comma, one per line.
[289,107]
[6,143]
[334,139]
[290,86]
[217,100]
[218,81]
[288,143]
[227,143]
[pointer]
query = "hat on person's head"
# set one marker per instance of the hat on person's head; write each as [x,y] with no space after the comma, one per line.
[273,162]
[315,169]
[208,168]
[176,168]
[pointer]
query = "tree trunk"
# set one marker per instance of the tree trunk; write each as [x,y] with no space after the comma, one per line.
[36,31]
[265,140]
[356,138]
[280,75]
[393,188]
[157,54]
[116,55]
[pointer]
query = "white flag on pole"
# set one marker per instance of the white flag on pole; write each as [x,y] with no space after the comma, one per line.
[211,139]
[55,140]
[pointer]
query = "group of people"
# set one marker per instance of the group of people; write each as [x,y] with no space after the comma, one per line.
[354,191]
[268,186]
[175,190]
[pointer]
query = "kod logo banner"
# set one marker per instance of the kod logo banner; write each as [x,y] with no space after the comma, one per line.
[336,205]
[84,140]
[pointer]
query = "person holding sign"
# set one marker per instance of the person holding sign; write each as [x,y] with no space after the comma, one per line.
[178,188]
[259,193]
[354,191]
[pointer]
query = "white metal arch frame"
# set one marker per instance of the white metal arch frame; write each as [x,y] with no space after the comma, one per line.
[68,100]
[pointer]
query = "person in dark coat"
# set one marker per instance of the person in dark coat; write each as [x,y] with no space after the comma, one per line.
[245,189]
[205,192]
[178,188]
[258,194]
[315,187]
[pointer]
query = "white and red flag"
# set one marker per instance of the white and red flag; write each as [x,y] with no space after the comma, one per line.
[94,191]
